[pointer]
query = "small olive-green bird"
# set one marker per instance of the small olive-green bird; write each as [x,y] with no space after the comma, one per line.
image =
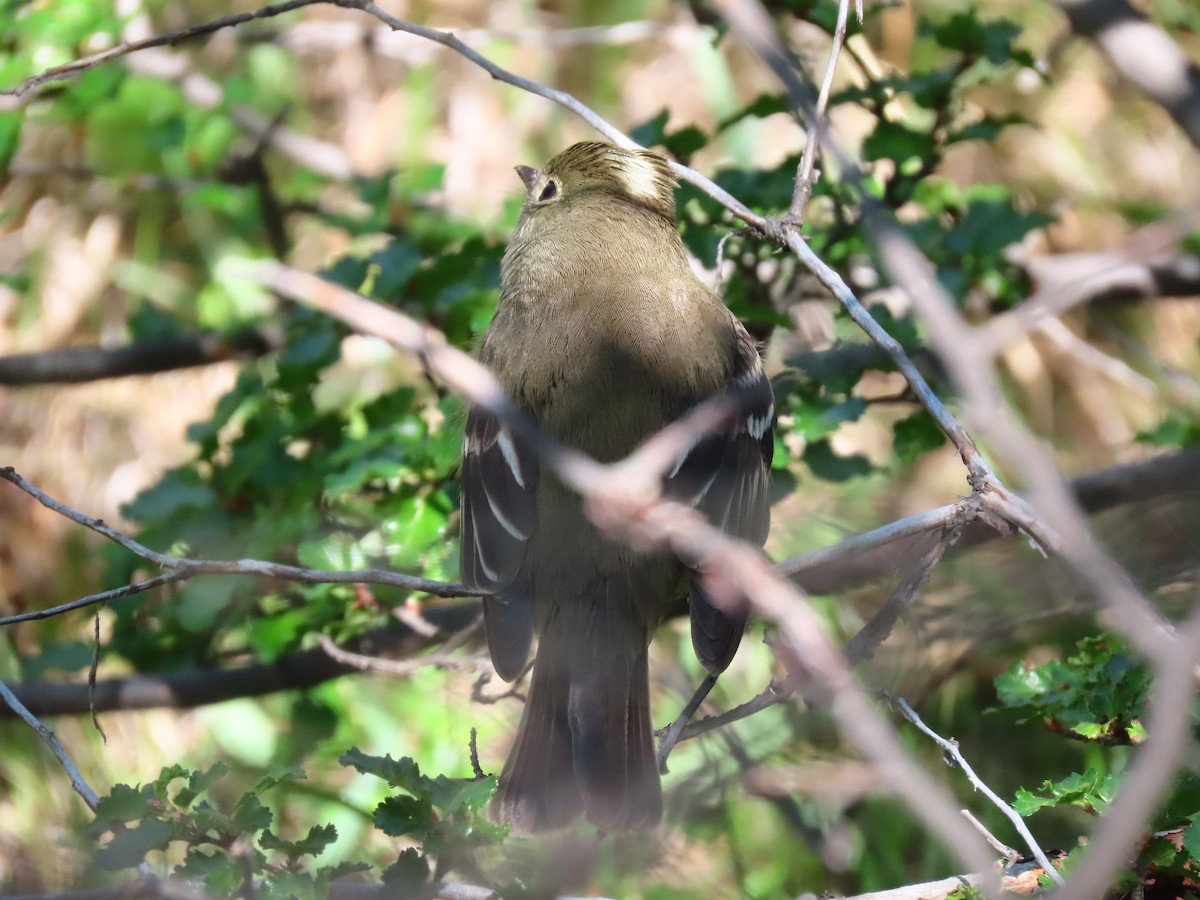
[603,335]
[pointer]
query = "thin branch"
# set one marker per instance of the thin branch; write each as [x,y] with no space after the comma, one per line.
[672,733]
[75,67]
[1058,524]
[996,844]
[951,750]
[403,667]
[328,36]
[193,567]
[871,636]
[1065,281]
[136,587]
[804,172]
[82,788]
[980,474]
[858,649]
[443,658]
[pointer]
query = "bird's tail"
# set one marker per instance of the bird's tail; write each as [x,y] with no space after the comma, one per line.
[585,743]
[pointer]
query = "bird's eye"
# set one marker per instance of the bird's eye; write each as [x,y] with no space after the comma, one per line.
[549,192]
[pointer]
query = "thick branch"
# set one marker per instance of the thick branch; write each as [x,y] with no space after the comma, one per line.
[73,365]
[879,553]
[200,687]
[1143,54]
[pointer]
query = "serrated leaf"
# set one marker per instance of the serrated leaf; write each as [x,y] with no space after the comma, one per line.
[197,784]
[891,140]
[408,872]
[1191,840]
[129,847]
[123,804]
[403,815]
[313,844]
[402,773]
[251,815]
[650,132]
[820,457]
[1161,853]
[915,435]
[452,795]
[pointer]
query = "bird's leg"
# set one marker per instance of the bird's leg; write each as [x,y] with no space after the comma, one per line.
[670,737]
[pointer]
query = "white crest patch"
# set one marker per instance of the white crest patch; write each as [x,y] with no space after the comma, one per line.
[641,177]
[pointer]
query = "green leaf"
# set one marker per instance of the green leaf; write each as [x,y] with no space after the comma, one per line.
[762,106]
[891,140]
[313,844]
[650,132]
[684,143]
[56,656]
[402,773]
[250,815]
[1160,852]
[825,463]
[1089,790]
[129,847]
[1191,840]
[178,489]
[916,434]
[197,784]
[987,129]
[123,804]
[401,815]
[453,795]
[409,872]
[396,263]
[337,552]
[10,136]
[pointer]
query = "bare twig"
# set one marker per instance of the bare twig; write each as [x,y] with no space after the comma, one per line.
[951,749]
[996,844]
[858,649]
[136,587]
[77,66]
[443,658]
[804,172]
[403,667]
[671,734]
[82,788]
[1058,524]
[325,36]
[182,567]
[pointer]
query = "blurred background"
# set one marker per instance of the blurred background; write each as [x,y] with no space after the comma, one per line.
[1014,156]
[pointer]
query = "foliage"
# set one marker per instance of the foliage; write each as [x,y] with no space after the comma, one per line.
[224,849]
[331,453]
[1098,695]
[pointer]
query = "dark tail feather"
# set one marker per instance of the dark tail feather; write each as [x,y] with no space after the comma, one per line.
[585,743]
[613,746]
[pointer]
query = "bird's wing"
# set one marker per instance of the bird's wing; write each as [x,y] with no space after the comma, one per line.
[499,513]
[727,477]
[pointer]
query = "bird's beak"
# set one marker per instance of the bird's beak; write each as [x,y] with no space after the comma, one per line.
[528,175]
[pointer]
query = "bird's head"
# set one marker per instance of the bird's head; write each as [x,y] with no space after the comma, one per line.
[598,170]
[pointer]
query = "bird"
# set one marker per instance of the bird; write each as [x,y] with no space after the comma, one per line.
[602,335]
